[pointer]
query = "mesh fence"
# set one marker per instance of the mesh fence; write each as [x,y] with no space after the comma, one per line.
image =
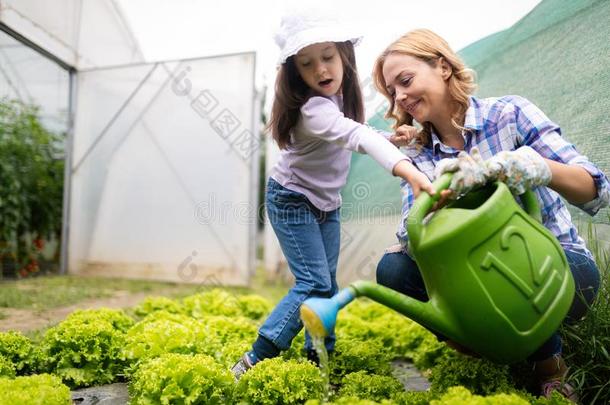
[557,56]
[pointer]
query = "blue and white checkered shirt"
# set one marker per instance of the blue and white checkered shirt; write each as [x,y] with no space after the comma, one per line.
[506,123]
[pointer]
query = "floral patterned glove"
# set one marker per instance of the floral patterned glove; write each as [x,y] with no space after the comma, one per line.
[520,169]
[470,171]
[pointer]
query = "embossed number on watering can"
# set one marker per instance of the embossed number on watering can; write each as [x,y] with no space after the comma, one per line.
[518,273]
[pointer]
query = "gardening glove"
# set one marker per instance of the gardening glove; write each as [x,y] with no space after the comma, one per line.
[470,172]
[520,169]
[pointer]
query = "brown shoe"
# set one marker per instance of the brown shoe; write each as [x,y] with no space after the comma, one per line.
[552,373]
[565,389]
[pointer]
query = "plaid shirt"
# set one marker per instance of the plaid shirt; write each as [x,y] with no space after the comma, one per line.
[506,123]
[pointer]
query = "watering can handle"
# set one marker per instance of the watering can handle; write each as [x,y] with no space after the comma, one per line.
[422,205]
[425,201]
[530,203]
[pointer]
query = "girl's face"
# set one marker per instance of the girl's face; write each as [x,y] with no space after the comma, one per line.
[321,68]
[417,88]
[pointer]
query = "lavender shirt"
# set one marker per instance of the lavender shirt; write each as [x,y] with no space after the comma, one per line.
[316,163]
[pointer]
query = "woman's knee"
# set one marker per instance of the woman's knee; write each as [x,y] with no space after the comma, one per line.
[399,272]
[388,270]
[586,280]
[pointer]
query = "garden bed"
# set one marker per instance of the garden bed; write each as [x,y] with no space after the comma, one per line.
[172,349]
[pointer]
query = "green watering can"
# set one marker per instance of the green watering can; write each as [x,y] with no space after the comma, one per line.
[498,280]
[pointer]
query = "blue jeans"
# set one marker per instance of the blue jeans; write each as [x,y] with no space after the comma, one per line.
[399,272]
[309,239]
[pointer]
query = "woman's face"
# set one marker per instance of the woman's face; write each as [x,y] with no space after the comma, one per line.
[321,68]
[417,88]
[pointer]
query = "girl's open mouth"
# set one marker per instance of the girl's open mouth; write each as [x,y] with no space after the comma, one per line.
[325,83]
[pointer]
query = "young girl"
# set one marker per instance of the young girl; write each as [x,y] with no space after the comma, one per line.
[425,81]
[316,120]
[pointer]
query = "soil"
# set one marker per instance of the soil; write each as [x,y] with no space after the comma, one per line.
[25,320]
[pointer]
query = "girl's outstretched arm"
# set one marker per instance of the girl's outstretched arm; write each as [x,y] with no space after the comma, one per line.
[418,180]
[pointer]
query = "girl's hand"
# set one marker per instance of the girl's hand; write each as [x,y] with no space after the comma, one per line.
[419,182]
[404,135]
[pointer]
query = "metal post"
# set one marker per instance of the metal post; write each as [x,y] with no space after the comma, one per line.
[69,151]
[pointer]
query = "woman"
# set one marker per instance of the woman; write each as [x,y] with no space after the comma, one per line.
[509,139]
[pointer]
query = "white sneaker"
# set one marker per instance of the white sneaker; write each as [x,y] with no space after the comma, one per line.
[244,364]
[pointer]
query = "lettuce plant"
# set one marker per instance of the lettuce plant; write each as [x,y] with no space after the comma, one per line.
[115,317]
[367,320]
[155,304]
[224,303]
[276,381]
[430,352]
[461,396]
[87,347]
[7,369]
[369,386]
[42,389]
[213,302]
[181,379]
[254,306]
[412,398]
[401,337]
[20,351]
[160,333]
[224,338]
[480,376]
[357,355]
[347,401]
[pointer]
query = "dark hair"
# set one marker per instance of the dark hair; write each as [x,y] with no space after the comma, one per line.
[291,92]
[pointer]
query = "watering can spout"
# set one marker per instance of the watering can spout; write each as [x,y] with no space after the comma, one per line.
[423,313]
[320,314]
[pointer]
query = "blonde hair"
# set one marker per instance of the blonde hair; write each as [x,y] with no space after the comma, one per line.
[430,48]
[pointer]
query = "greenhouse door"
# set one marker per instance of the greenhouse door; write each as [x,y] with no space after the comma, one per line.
[164,171]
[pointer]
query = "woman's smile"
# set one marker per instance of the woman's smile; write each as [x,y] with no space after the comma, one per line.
[410,108]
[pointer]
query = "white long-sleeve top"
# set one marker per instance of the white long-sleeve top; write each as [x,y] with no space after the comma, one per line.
[316,163]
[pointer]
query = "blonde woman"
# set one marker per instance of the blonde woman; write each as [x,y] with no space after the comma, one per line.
[506,138]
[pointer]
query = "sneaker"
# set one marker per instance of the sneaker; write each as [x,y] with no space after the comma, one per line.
[244,364]
[565,389]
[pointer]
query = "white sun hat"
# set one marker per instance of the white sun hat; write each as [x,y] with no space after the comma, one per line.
[302,28]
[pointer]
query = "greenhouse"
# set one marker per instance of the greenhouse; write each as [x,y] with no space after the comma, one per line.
[142,259]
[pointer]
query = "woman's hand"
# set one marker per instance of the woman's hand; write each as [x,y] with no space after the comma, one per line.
[404,135]
[470,171]
[520,169]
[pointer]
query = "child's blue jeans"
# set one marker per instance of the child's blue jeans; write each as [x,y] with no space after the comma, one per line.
[309,239]
[399,272]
